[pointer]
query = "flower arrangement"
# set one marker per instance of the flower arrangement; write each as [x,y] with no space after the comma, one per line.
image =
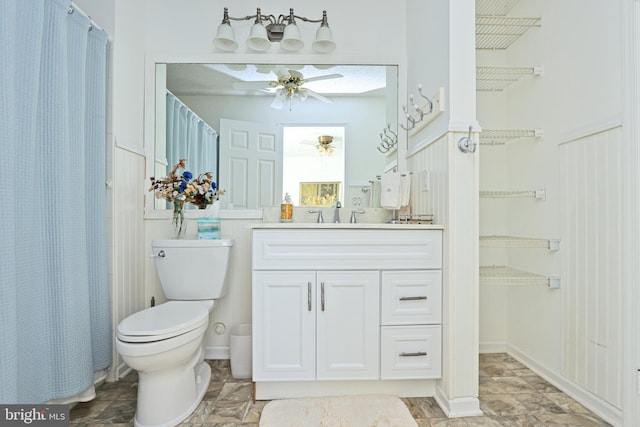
[179,189]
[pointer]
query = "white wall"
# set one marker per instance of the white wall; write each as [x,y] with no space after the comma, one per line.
[566,334]
[441,54]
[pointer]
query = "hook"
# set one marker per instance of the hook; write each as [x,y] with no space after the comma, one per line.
[465,144]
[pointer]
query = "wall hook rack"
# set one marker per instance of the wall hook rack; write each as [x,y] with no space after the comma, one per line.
[388,138]
[418,113]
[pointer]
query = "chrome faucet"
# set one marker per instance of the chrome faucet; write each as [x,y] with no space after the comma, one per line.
[353,215]
[336,212]
[319,212]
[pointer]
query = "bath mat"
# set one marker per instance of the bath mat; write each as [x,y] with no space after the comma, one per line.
[340,411]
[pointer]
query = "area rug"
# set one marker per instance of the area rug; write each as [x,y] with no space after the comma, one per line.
[340,411]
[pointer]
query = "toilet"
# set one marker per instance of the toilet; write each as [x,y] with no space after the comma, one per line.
[164,344]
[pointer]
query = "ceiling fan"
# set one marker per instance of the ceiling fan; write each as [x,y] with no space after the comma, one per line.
[325,144]
[288,86]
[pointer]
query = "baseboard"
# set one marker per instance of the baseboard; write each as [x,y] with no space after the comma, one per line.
[122,370]
[595,404]
[493,347]
[215,352]
[459,406]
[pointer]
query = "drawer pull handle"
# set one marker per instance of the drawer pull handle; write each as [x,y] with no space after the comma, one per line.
[412,298]
[322,296]
[308,296]
[417,353]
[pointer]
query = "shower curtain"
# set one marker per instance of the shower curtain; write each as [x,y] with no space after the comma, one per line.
[189,137]
[54,297]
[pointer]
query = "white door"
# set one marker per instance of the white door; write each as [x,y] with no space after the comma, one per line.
[250,164]
[348,324]
[284,325]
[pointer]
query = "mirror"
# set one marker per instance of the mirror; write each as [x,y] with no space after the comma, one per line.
[256,106]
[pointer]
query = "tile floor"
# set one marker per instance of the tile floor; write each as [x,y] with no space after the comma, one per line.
[510,395]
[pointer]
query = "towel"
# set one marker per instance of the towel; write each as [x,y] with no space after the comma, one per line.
[390,190]
[405,189]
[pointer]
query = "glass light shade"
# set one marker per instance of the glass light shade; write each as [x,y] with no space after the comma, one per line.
[225,39]
[258,39]
[291,40]
[324,40]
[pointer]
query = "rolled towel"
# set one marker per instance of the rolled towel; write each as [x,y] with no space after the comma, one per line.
[390,195]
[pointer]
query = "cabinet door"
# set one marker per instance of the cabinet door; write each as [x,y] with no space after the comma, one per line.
[284,325]
[347,324]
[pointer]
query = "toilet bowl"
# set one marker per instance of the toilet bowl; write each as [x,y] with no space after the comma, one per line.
[164,344]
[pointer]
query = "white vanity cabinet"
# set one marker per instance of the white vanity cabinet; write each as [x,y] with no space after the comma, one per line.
[316,325]
[344,310]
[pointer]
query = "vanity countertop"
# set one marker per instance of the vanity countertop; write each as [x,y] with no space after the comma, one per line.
[331,225]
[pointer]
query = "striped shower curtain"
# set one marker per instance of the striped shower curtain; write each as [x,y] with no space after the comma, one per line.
[54,295]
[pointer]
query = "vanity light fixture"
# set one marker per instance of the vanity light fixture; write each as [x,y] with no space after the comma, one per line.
[268,28]
[324,145]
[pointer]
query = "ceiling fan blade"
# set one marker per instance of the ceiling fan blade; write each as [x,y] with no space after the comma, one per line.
[325,77]
[318,96]
[253,85]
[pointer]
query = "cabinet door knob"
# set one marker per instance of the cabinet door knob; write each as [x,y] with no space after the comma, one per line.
[322,296]
[308,296]
[412,298]
[417,353]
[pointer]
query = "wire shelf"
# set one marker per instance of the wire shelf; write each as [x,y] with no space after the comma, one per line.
[494,7]
[514,194]
[519,242]
[501,137]
[507,276]
[499,78]
[499,32]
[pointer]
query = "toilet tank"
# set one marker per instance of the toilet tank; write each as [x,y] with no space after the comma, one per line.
[192,269]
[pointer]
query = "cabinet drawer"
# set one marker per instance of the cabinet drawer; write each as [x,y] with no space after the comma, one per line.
[411,297]
[411,352]
[335,249]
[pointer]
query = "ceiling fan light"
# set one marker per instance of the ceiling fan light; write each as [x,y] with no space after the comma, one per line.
[258,40]
[225,38]
[291,40]
[324,40]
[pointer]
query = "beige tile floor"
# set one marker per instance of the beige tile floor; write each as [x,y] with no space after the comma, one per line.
[510,395]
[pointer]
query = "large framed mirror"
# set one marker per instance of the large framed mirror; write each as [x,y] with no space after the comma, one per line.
[268,129]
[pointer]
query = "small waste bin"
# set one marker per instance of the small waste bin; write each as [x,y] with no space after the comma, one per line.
[240,350]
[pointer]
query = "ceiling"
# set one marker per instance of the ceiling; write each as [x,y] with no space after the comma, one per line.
[218,79]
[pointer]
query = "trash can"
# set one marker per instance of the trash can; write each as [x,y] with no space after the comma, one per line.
[240,350]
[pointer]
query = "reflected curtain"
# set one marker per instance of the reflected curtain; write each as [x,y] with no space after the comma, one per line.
[54,294]
[189,137]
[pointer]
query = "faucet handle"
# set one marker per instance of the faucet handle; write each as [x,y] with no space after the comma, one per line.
[353,215]
[319,212]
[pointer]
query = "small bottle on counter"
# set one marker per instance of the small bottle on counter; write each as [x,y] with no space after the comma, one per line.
[286,209]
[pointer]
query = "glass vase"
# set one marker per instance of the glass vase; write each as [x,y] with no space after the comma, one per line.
[178,221]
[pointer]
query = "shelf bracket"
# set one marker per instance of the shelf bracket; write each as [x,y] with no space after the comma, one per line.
[554,283]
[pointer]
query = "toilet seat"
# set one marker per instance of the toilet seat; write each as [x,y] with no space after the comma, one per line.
[164,321]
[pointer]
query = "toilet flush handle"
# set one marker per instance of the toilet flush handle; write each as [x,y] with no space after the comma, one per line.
[160,254]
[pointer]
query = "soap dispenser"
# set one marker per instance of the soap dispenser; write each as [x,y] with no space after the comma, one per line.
[286,209]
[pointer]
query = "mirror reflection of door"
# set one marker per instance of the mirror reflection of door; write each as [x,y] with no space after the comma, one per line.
[250,164]
[313,172]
